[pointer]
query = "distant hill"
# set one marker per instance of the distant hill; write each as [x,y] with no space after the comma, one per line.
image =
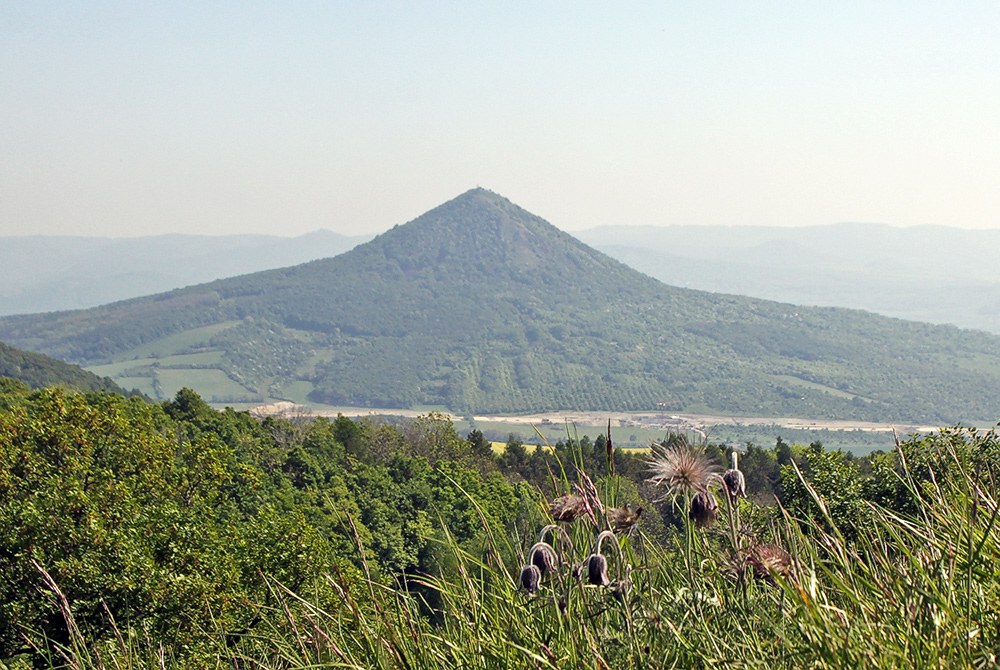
[922,273]
[46,274]
[910,273]
[480,306]
[39,371]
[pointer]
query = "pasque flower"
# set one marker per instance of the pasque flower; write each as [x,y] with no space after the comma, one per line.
[704,509]
[736,485]
[682,469]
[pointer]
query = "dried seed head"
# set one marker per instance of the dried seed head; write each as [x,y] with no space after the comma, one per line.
[543,556]
[704,509]
[597,570]
[530,579]
[623,519]
[768,560]
[569,507]
[681,468]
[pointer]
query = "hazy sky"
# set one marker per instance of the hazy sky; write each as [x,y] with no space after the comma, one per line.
[139,118]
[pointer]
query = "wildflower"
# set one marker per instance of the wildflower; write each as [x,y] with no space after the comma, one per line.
[530,579]
[597,570]
[568,507]
[596,564]
[704,509]
[681,468]
[623,519]
[543,557]
[734,480]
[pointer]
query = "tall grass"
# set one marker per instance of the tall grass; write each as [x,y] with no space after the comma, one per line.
[919,591]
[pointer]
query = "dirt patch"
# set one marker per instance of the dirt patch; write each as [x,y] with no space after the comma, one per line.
[653,420]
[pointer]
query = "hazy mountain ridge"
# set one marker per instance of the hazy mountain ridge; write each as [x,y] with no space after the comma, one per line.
[480,306]
[46,274]
[935,274]
[923,273]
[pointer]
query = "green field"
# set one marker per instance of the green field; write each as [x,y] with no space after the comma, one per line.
[120,370]
[297,392]
[180,342]
[210,384]
[859,443]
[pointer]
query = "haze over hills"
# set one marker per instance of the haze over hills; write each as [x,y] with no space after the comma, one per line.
[922,273]
[46,274]
[480,306]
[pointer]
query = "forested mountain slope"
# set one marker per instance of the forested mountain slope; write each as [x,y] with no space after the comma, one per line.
[480,306]
[39,371]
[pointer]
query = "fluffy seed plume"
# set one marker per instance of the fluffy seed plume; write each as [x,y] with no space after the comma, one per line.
[569,507]
[768,560]
[623,519]
[681,468]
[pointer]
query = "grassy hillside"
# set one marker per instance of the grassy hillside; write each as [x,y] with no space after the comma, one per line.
[480,306]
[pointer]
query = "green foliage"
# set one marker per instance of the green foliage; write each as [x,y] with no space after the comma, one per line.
[179,520]
[38,371]
[911,591]
[826,489]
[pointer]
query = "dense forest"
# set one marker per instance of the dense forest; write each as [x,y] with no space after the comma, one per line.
[480,307]
[139,534]
[39,371]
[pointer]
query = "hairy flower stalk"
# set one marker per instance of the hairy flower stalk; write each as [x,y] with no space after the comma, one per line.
[734,484]
[543,556]
[596,565]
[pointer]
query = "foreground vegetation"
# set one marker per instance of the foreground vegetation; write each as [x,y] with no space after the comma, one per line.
[138,535]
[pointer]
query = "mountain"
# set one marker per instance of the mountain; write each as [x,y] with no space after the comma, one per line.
[45,274]
[39,371]
[480,306]
[922,273]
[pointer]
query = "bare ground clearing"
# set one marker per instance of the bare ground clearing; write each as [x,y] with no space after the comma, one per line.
[655,420]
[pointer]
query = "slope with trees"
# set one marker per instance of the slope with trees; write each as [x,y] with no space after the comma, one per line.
[480,306]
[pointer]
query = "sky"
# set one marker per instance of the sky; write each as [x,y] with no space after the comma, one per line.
[141,118]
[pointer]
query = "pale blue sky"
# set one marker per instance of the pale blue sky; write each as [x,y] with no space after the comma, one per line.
[144,118]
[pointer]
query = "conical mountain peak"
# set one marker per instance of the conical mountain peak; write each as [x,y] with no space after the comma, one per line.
[481,236]
[481,306]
